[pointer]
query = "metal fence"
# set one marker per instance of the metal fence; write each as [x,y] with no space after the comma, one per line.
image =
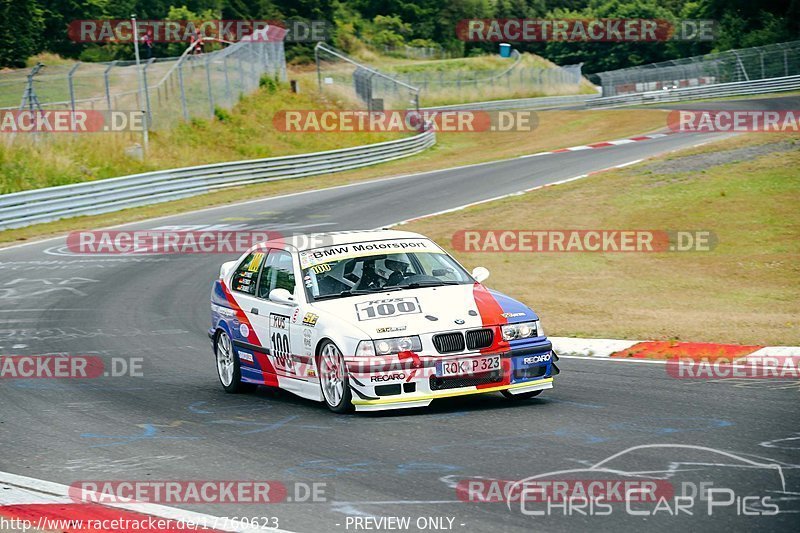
[167,89]
[360,85]
[341,76]
[416,52]
[719,90]
[103,196]
[748,64]
[477,84]
[514,75]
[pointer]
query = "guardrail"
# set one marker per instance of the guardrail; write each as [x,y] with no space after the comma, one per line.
[103,196]
[519,103]
[719,90]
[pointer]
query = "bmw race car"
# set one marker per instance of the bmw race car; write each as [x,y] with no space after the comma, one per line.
[371,320]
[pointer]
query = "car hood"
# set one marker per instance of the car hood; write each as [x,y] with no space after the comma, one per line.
[426,310]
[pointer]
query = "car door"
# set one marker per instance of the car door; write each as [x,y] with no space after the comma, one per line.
[279,273]
[251,335]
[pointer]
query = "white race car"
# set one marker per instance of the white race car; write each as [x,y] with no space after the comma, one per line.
[371,320]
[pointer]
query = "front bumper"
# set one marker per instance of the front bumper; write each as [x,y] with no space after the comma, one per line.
[411,380]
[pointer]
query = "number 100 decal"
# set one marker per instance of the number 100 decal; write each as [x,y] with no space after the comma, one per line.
[280,347]
[387,308]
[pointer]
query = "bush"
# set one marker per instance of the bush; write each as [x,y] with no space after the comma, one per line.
[301,59]
[268,83]
[97,54]
[221,114]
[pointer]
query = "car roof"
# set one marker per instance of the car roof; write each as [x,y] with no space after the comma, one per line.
[310,241]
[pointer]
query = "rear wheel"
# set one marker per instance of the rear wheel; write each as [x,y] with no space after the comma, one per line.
[228,367]
[333,378]
[521,396]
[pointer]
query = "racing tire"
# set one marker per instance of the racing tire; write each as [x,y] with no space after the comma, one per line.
[229,369]
[333,380]
[520,397]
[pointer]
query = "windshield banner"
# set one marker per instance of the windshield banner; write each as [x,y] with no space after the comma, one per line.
[318,256]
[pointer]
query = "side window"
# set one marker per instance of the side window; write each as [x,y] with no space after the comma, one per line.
[278,273]
[244,279]
[438,265]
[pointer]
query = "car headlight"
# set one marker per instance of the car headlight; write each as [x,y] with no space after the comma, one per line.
[522,330]
[389,346]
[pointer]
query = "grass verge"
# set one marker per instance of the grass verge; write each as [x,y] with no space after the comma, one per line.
[448,81]
[744,291]
[556,129]
[244,132]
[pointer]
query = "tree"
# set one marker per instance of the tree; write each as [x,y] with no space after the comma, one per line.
[20,32]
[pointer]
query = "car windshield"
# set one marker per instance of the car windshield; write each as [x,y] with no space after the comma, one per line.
[338,272]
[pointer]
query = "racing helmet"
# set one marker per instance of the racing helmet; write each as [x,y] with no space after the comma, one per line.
[396,262]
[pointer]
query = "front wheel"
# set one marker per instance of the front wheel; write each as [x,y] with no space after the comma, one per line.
[228,368]
[333,379]
[521,396]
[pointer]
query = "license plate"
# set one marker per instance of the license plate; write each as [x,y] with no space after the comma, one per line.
[463,367]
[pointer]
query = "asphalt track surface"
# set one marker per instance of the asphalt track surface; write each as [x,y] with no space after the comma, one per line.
[175,422]
[767,103]
[777,103]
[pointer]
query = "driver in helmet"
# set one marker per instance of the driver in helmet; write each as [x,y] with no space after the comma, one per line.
[398,264]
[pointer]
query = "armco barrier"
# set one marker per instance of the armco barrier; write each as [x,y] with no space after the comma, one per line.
[53,203]
[540,102]
[719,90]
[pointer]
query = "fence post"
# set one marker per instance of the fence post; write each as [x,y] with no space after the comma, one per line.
[786,61]
[208,80]
[252,66]
[281,60]
[72,86]
[241,74]
[147,92]
[369,91]
[319,72]
[106,72]
[741,65]
[183,91]
[272,58]
[228,94]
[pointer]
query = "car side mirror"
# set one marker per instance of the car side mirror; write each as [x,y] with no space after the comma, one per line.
[282,296]
[480,274]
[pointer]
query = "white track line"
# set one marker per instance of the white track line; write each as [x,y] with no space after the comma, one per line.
[50,490]
[614,359]
[268,198]
[519,193]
